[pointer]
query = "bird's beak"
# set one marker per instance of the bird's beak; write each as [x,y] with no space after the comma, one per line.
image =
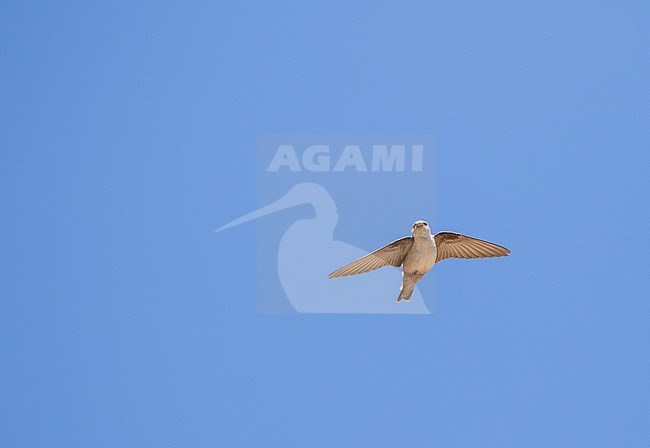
[284,202]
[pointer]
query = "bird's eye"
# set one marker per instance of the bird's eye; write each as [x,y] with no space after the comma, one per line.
[426,225]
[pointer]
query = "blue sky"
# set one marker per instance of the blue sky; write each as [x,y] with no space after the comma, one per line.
[128,134]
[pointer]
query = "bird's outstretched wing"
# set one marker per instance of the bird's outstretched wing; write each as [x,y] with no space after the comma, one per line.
[455,245]
[390,255]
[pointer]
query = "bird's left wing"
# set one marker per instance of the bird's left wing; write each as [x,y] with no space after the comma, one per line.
[390,255]
[455,245]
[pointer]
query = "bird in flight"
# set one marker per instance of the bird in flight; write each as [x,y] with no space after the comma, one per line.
[417,254]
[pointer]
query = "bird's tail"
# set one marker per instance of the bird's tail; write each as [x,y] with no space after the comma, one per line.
[408,286]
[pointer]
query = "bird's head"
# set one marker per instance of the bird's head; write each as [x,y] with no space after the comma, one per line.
[420,228]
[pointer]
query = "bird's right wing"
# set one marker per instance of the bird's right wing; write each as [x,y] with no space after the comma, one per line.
[390,255]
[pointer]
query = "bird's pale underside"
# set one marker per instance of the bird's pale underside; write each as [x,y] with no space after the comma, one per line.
[417,254]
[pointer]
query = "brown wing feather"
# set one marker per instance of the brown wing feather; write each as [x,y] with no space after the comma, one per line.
[390,255]
[455,245]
